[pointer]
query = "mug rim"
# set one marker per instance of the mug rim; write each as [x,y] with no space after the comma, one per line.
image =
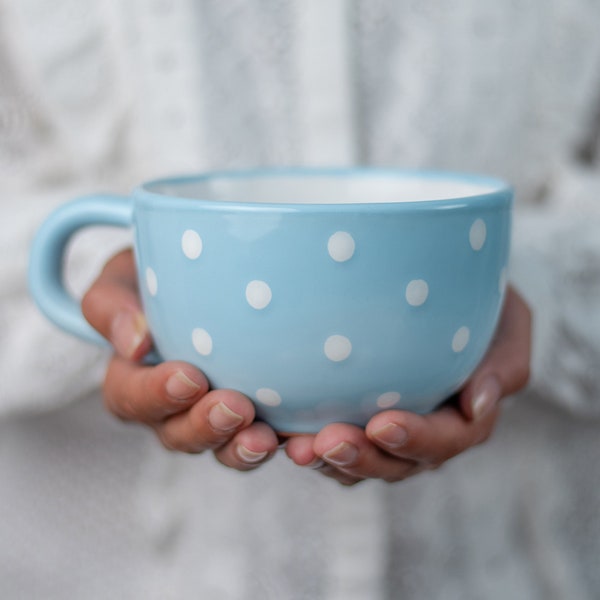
[499,195]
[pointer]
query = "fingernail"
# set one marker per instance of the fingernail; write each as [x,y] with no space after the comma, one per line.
[222,418]
[391,435]
[342,455]
[250,457]
[486,396]
[180,387]
[316,464]
[127,333]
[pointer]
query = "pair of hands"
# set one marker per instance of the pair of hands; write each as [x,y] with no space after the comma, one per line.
[174,399]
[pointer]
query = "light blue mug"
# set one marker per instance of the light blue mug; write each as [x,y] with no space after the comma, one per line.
[324,295]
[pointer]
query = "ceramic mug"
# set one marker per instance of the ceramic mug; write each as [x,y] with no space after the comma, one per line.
[324,295]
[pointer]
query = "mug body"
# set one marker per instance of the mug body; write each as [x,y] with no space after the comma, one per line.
[325,295]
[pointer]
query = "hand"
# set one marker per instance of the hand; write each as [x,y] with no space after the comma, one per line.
[173,398]
[398,444]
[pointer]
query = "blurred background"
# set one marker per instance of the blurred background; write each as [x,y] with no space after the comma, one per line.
[100,95]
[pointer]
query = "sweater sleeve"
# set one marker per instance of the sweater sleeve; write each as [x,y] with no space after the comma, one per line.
[65,129]
[41,367]
[556,266]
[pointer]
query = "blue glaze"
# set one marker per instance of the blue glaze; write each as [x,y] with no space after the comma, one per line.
[396,348]
[46,261]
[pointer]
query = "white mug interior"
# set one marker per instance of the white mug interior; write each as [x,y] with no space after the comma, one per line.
[345,188]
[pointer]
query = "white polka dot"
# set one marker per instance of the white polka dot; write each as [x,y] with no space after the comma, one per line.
[388,399]
[337,348]
[202,341]
[461,339]
[477,234]
[151,281]
[268,397]
[416,292]
[341,246]
[502,280]
[258,294]
[191,244]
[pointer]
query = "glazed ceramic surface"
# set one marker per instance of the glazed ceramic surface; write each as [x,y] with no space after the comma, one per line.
[323,295]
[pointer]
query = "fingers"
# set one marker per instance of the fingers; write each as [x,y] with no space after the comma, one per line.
[173,398]
[345,453]
[505,368]
[395,444]
[112,307]
[432,439]
[250,448]
[209,424]
[300,449]
[150,394]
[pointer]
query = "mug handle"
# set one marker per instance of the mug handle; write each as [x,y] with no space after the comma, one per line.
[46,263]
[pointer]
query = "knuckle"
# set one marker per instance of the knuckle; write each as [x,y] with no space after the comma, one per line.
[166,442]
[454,448]
[116,408]
[171,441]
[210,438]
[90,301]
[167,438]
[128,410]
[160,405]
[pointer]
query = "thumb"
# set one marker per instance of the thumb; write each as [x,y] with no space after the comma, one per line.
[112,307]
[505,368]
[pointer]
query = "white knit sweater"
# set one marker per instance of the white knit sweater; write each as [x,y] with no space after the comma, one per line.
[99,95]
